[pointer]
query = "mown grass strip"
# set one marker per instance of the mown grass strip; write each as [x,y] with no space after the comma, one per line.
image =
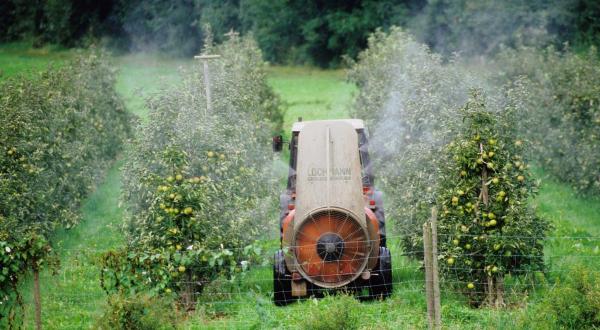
[72,298]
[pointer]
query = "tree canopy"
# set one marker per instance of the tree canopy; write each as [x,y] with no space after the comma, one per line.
[300,31]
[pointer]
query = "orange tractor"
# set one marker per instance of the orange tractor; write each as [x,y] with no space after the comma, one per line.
[332,222]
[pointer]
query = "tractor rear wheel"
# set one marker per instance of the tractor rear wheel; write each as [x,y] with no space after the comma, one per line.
[282,281]
[380,283]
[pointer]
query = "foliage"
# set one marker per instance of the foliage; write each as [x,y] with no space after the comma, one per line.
[221,15]
[59,132]
[307,31]
[332,312]
[574,303]
[486,228]
[563,110]
[189,234]
[319,32]
[157,25]
[138,311]
[300,31]
[575,21]
[66,22]
[409,100]
[197,185]
[481,27]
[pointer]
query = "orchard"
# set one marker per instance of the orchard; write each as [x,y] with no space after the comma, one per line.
[409,99]
[562,120]
[172,219]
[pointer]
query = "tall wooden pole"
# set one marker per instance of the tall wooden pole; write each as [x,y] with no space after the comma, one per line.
[205,58]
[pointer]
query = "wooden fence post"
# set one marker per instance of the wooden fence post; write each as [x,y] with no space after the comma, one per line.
[432,281]
[428,263]
[435,271]
[37,299]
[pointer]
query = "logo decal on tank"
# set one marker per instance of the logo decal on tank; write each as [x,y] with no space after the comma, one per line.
[335,174]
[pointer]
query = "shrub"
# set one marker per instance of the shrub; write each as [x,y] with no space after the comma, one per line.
[138,312]
[573,303]
[487,230]
[59,131]
[334,312]
[197,185]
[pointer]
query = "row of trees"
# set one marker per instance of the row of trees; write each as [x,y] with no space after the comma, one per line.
[484,26]
[563,110]
[470,155]
[440,140]
[198,187]
[302,31]
[59,131]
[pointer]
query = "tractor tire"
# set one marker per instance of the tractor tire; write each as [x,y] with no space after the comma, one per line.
[282,281]
[381,281]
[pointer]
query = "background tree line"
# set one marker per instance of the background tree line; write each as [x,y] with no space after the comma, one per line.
[300,31]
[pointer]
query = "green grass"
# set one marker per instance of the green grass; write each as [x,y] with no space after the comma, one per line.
[570,212]
[72,298]
[21,58]
[573,216]
[311,93]
[141,75]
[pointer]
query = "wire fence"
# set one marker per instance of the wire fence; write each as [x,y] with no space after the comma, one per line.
[76,287]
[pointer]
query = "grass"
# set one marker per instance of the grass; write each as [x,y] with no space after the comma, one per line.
[311,93]
[570,212]
[21,58]
[573,216]
[72,298]
[141,75]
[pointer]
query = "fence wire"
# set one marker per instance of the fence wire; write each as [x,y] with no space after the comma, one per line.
[68,294]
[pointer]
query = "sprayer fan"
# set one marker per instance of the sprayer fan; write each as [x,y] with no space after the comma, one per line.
[332,248]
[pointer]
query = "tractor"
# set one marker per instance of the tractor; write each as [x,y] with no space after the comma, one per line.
[332,223]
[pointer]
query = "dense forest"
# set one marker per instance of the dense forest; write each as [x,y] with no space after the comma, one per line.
[300,31]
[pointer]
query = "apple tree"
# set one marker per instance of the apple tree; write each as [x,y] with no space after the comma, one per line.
[198,188]
[487,228]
